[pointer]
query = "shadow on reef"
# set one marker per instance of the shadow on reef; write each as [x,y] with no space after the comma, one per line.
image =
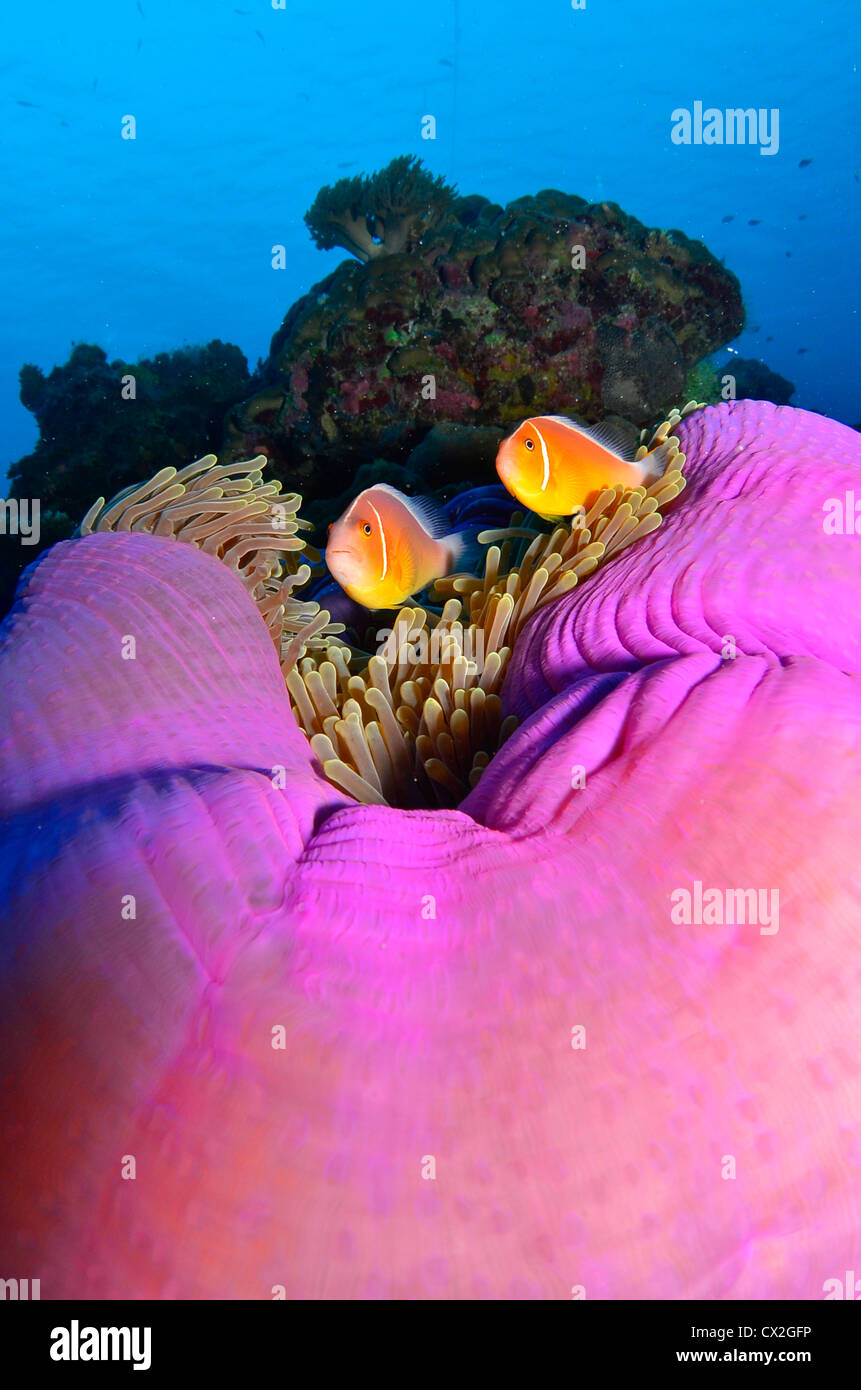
[456,319]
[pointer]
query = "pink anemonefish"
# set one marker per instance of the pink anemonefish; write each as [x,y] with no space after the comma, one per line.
[552,465]
[387,547]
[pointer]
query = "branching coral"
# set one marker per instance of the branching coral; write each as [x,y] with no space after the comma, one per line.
[417,723]
[380,214]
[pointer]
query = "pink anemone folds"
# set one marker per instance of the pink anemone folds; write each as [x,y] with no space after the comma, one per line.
[260,1038]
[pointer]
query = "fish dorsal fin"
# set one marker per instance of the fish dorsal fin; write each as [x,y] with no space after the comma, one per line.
[428,514]
[608,436]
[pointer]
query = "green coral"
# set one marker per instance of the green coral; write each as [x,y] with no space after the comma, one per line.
[382,213]
[702,384]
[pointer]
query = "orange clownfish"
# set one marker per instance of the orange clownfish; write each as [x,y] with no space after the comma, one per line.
[387,547]
[552,465]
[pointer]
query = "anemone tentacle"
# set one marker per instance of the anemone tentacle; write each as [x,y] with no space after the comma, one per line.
[418,723]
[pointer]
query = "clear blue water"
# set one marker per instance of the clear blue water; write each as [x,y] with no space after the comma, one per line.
[243,111]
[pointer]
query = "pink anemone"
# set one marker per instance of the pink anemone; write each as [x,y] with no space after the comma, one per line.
[259,1039]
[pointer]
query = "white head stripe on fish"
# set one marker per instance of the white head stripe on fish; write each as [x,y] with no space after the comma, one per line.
[545,480]
[382,538]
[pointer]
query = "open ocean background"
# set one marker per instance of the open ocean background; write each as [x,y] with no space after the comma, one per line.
[244,111]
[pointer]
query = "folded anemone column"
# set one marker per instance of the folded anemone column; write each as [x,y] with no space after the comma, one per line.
[592,1033]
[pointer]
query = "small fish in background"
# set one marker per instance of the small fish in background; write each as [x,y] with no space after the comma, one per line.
[802,217]
[789,253]
[33,104]
[446,62]
[801,350]
[140,10]
[754,222]
[387,547]
[769,339]
[260,37]
[803,163]
[552,465]
[730,217]
[755,330]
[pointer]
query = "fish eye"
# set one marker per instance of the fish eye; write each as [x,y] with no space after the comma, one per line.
[367,528]
[530,443]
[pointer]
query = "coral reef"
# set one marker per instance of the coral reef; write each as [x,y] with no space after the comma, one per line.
[450,460]
[94,438]
[491,315]
[314,996]
[485,300]
[381,214]
[751,380]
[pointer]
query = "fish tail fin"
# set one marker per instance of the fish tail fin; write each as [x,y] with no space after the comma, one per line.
[465,551]
[654,464]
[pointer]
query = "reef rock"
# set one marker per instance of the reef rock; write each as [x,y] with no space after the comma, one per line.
[106,425]
[751,380]
[489,314]
[449,460]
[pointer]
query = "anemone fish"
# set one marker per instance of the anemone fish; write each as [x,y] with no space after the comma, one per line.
[553,465]
[387,547]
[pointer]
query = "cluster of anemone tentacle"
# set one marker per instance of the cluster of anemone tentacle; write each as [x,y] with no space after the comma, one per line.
[417,723]
[228,511]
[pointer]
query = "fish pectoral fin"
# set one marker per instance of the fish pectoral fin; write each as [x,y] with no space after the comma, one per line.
[405,572]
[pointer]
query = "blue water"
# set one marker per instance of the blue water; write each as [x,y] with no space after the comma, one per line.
[243,111]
